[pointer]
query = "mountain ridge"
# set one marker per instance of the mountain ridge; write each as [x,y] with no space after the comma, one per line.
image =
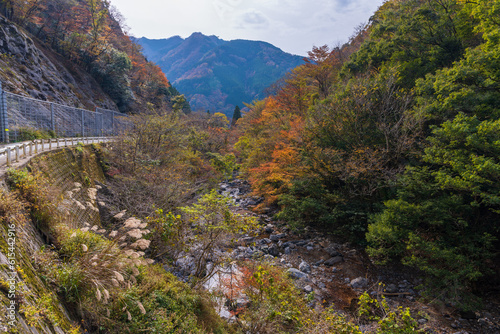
[216,74]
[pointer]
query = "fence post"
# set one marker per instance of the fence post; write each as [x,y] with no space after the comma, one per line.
[52,120]
[96,124]
[4,120]
[83,124]
[112,123]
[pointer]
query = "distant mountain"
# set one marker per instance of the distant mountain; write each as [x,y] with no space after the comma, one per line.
[217,75]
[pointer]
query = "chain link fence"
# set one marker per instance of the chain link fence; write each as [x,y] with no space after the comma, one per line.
[20,116]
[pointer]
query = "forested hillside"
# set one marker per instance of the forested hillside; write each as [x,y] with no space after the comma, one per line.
[392,141]
[79,36]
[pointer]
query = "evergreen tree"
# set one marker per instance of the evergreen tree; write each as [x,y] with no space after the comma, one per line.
[236,115]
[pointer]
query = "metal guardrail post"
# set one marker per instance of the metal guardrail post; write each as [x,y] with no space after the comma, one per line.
[4,119]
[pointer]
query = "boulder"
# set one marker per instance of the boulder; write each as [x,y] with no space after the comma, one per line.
[269,228]
[305,267]
[274,251]
[359,283]
[296,274]
[391,288]
[334,260]
[332,251]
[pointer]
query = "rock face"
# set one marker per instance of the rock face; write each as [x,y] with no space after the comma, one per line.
[27,68]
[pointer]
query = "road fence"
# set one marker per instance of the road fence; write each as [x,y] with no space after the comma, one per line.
[20,116]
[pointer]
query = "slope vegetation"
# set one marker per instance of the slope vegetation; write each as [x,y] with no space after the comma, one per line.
[394,145]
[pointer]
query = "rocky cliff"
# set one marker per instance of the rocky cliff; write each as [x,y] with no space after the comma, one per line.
[29,68]
[27,300]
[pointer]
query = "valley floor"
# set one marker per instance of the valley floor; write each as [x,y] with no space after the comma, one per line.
[337,273]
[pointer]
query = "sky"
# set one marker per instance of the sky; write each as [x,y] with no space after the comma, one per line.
[295,26]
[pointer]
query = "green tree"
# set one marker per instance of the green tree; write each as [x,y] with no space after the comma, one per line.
[200,229]
[111,70]
[418,35]
[444,220]
[236,115]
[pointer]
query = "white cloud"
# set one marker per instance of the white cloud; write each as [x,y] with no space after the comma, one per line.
[251,19]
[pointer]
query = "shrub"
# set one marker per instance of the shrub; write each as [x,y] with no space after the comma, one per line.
[397,321]
[276,305]
[25,134]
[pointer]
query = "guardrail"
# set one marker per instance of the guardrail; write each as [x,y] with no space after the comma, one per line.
[13,152]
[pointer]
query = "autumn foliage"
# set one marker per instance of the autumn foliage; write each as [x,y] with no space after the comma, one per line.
[90,33]
[390,140]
